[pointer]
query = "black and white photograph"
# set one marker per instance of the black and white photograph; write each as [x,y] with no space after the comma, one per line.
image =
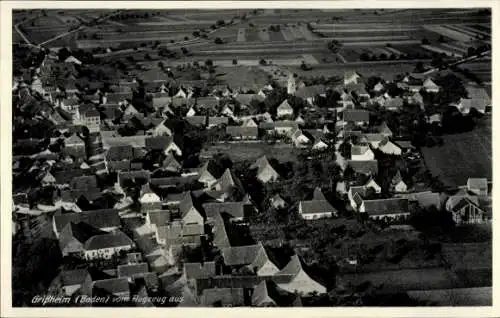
[251,157]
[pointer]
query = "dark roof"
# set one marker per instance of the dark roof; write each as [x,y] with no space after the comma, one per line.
[316,206]
[386,206]
[100,219]
[241,255]
[318,194]
[463,202]
[73,277]
[77,231]
[199,270]
[158,142]
[159,217]
[173,181]
[240,131]
[246,99]
[186,204]
[364,167]
[120,153]
[356,115]
[112,285]
[234,209]
[108,240]
[131,270]
[225,296]
[84,183]
[310,91]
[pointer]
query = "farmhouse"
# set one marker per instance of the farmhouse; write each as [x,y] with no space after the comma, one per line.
[165,144]
[316,209]
[466,211]
[242,132]
[106,245]
[254,257]
[366,167]
[233,210]
[385,208]
[477,98]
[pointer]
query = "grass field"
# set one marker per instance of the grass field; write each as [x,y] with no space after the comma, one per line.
[251,151]
[462,156]
[479,296]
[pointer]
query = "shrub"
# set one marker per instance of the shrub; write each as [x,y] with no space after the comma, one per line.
[262,62]
[218,40]
[235,61]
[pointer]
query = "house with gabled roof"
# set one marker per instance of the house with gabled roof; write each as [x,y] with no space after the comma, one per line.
[193,271]
[388,147]
[357,116]
[366,167]
[227,182]
[249,122]
[300,138]
[253,257]
[424,199]
[242,132]
[467,211]
[208,173]
[157,218]
[164,143]
[222,297]
[284,109]
[265,171]
[75,146]
[132,271]
[72,281]
[160,130]
[392,208]
[106,220]
[233,210]
[73,236]
[197,121]
[319,144]
[48,179]
[397,183]
[316,209]
[189,213]
[301,282]
[361,153]
[107,244]
[477,186]
[216,121]
[430,86]
[149,199]
[171,164]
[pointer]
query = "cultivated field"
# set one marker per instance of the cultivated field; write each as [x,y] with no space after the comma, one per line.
[462,156]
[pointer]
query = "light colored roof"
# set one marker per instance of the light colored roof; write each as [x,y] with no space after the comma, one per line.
[108,240]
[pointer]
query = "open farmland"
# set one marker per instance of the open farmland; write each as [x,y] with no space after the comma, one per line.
[462,156]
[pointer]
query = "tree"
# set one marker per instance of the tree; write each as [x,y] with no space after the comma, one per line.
[218,40]
[196,34]
[220,23]
[425,41]
[419,68]
[262,62]
[442,39]
[209,63]
[235,61]
[364,56]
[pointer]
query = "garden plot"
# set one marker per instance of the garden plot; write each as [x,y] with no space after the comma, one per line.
[297,35]
[264,35]
[454,47]
[394,51]
[241,35]
[459,28]
[442,30]
[287,35]
[169,23]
